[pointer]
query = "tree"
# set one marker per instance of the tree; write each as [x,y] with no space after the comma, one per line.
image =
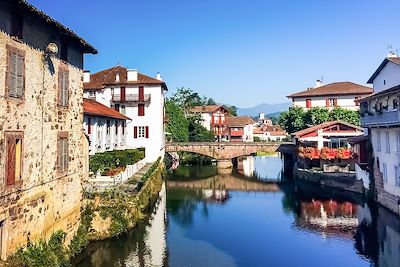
[197,133]
[186,98]
[315,116]
[232,110]
[292,120]
[347,115]
[177,124]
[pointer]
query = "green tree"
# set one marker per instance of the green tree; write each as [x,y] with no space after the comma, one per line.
[232,110]
[197,133]
[292,120]
[315,116]
[177,123]
[186,98]
[347,115]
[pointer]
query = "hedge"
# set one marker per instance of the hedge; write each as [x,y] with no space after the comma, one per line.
[113,159]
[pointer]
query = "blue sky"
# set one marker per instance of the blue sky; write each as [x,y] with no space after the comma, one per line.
[240,52]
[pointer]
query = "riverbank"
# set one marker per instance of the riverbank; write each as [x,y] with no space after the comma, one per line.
[104,215]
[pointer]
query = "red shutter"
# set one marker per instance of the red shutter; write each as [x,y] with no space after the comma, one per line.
[327,102]
[141,93]
[135,132]
[141,110]
[335,102]
[308,103]
[89,128]
[11,160]
[147,131]
[123,93]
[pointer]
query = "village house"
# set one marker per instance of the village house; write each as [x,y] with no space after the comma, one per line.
[213,119]
[240,129]
[137,96]
[104,126]
[380,115]
[270,133]
[41,114]
[338,94]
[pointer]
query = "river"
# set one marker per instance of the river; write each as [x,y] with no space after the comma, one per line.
[254,217]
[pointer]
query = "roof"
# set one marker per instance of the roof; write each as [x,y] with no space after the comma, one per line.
[87,48]
[395,60]
[274,130]
[239,121]
[92,107]
[324,125]
[206,109]
[337,88]
[106,77]
[394,89]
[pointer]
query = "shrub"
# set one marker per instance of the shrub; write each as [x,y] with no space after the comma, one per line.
[256,139]
[110,160]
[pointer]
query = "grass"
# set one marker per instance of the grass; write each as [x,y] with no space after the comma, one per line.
[267,153]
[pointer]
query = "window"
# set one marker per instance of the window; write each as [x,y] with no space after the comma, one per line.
[141,131]
[384,82]
[385,178]
[332,102]
[141,110]
[387,145]
[397,175]
[15,83]
[14,157]
[123,110]
[108,127]
[116,107]
[99,132]
[123,127]
[17,22]
[116,127]
[395,103]
[123,94]
[141,93]
[308,103]
[89,125]
[62,152]
[378,141]
[63,86]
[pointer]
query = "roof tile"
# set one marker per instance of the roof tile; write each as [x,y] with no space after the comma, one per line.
[338,88]
[92,107]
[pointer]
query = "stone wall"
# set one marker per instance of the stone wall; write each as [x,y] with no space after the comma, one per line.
[44,200]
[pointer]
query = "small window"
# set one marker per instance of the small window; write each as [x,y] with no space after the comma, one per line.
[15,82]
[62,152]
[395,103]
[123,127]
[384,82]
[385,177]
[142,131]
[387,139]
[89,126]
[14,142]
[397,175]
[108,127]
[123,109]
[63,87]
[116,127]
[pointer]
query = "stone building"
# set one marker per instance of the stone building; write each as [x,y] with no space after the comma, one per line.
[43,156]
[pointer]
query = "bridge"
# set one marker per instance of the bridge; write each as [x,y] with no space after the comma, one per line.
[225,152]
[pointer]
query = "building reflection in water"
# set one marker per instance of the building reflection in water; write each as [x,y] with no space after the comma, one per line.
[254,167]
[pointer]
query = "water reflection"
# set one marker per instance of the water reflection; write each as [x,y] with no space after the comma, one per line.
[255,167]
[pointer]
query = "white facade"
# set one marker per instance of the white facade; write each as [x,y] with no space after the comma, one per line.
[387,77]
[266,136]
[248,135]
[105,134]
[344,101]
[206,120]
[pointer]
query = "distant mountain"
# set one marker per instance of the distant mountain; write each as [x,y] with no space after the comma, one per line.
[266,108]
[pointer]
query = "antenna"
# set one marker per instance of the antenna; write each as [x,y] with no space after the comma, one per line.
[322,78]
[389,47]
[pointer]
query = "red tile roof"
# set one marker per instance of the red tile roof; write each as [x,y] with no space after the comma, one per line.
[338,88]
[274,130]
[239,121]
[92,107]
[106,77]
[205,109]
[324,125]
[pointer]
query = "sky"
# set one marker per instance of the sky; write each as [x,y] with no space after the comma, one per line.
[239,52]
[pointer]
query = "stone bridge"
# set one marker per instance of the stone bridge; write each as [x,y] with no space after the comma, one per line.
[224,152]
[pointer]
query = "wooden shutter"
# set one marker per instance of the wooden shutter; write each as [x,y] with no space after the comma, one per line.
[335,101]
[135,132]
[12,81]
[20,75]
[141,110]
[327,102]
[116,127]
[10,171]
[66,87]
[147,131]
[308,103]
[141,93]
[123,94]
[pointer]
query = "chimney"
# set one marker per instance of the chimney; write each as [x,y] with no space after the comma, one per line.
[261,116]
[391,54]
[318,84]
[158,76]
[86,76]
[117,76]
[132,75]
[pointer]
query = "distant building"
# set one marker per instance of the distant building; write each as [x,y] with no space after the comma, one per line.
[105,127]
[338,94]
[43,155]
[262,120]
[137,96]
[380,115]
[269,133]
[213,118]
[240,129]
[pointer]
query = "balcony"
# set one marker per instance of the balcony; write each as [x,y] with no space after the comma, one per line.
[381,118]
[131,98]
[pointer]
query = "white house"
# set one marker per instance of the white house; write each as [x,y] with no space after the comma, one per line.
[270,133]
[338,94]
[137,96]
[380,115]
[105,127]
[213,118]
[240,129]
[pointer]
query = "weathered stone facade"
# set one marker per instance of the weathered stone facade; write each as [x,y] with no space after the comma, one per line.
[44,200]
